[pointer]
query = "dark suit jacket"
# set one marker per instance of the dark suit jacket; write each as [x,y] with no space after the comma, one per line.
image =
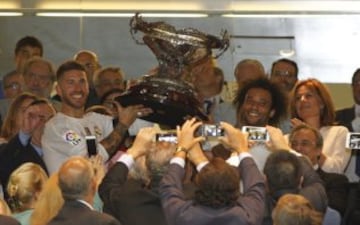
[76,213]
[345,116]
[312,189]
[129,200]
[12,155]
[337,187]
[7,220]
[248,210]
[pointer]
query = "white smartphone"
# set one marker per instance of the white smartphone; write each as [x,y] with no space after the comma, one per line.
[353,141]
[259,134]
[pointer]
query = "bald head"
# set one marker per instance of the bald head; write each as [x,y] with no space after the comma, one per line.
[248,69]
[90,61]
[76,178]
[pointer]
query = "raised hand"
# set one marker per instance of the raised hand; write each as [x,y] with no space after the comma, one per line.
[234,138]
[143,142]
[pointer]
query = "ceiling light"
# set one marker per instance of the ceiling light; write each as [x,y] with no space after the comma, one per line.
[111,14]
[81,14]
[279,15]
[287,53]
[11,14]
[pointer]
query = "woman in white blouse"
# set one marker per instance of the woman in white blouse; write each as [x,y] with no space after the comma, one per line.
[311,103]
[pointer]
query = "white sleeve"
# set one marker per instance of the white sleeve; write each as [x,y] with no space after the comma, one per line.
[337,156]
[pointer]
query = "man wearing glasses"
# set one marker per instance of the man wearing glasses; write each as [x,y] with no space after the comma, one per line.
[284,72]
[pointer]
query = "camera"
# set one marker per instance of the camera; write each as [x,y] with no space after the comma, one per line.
[211,130]
[166,137]
[258,134]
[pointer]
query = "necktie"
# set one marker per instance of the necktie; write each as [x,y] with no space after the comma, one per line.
[357,168]
[207,106]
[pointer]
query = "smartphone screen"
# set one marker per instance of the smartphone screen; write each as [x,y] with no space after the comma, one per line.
[167,137]
[91,145]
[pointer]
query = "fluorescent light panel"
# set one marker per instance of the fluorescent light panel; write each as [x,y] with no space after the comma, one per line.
[88,14]
[11,14]
[280,15]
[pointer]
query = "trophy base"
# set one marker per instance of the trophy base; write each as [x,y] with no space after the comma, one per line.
[173,101]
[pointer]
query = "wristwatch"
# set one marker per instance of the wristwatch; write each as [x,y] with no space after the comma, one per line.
[180,148]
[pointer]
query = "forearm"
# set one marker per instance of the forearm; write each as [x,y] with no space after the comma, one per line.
[112,141]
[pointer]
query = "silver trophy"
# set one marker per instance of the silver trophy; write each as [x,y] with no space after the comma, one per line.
[167,92]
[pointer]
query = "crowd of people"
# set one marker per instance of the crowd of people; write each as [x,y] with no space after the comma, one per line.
[302,172]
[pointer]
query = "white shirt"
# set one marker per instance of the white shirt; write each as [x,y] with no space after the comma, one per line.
[64,136]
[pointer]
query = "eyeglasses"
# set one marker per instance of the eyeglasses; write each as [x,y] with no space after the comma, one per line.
[304,143]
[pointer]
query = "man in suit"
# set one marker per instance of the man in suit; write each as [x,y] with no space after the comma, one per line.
[285,173]
[26,146]
[78,186]
[130,188]
[218,199]
[308,141]
[350,118]
[208,81]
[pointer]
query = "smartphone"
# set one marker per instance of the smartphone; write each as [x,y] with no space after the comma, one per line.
[259,134]
[91,145]
[353,140]
[167,137]
[211,130]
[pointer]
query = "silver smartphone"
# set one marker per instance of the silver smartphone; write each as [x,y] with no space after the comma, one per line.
[259,134]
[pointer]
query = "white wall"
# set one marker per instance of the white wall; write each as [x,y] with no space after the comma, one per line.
[326,47]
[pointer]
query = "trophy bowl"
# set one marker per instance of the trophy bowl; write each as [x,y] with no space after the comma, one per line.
[172,101]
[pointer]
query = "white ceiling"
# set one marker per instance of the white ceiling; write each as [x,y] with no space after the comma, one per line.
[302,6]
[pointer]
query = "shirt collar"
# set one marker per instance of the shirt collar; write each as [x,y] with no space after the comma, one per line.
[85,203]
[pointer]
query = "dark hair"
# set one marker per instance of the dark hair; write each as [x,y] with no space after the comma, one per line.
[278,98]
[356,73]
[67,66]
[282,170]
[218,185]
[288,61]
[29,41]
[319,139]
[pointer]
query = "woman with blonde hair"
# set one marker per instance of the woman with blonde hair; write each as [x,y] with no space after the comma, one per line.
[292,209]
[24,187]
[311,103]
[14,117]
[49,202]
